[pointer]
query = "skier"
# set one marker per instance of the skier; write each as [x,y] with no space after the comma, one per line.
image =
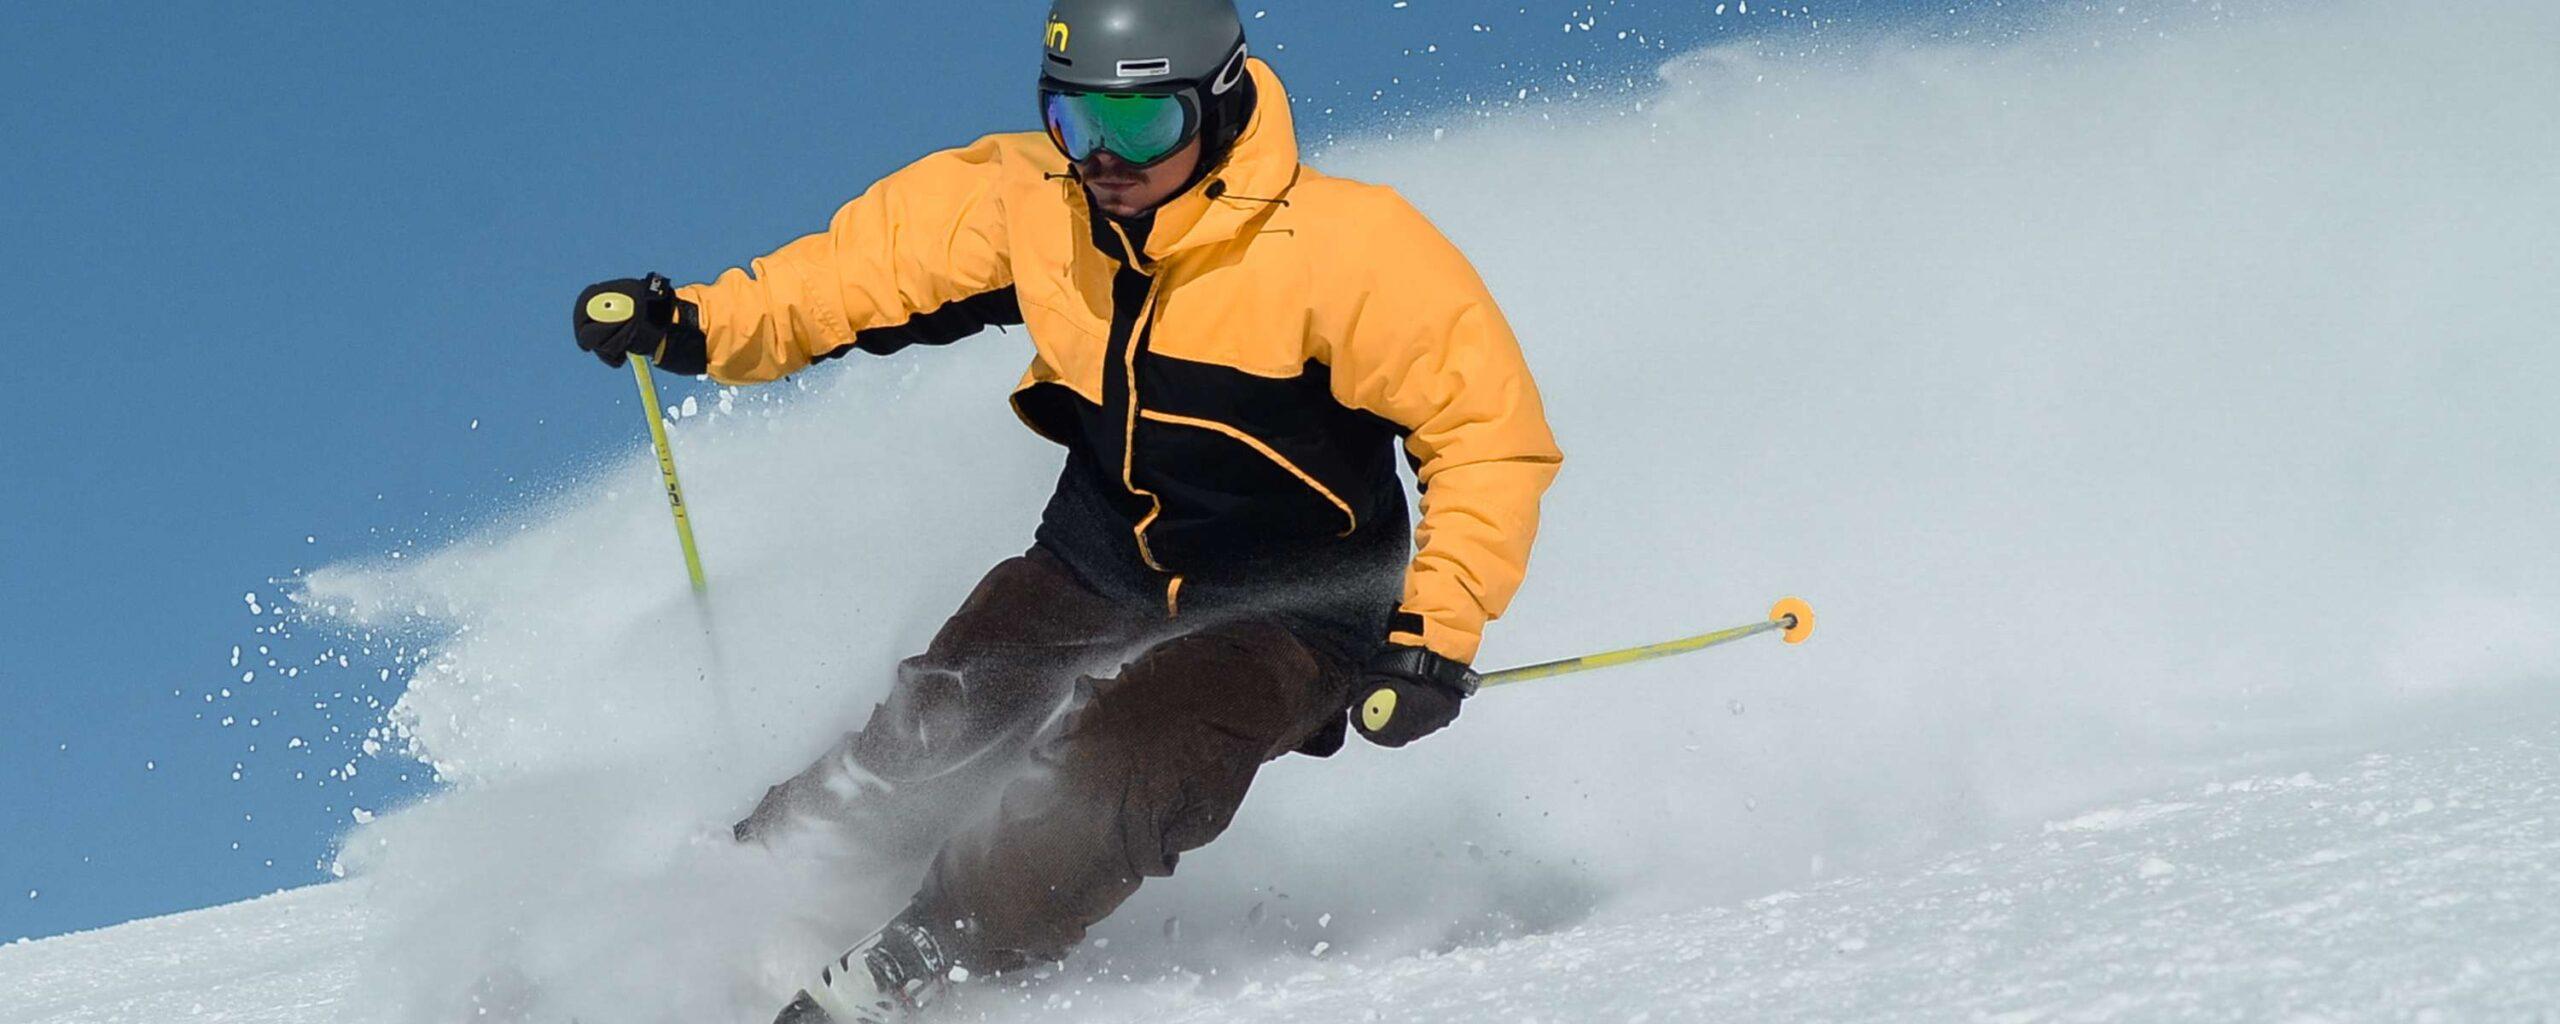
[1228,344]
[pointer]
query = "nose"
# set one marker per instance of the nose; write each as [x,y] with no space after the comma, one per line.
[1106,162]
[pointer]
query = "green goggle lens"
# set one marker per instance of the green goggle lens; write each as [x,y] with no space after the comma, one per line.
[1138,129]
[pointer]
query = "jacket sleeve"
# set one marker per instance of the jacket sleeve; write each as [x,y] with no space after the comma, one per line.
[1429,351]
[921,256]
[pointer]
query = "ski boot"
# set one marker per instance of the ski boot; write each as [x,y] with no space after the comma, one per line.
[884,979]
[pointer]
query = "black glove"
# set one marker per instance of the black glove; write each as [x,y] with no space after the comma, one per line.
[1409,693]
[628,317]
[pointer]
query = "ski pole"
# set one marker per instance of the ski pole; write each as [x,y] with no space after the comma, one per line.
[1791,618]
[684,535]
[616,307]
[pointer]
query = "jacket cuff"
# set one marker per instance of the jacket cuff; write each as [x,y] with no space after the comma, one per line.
[684,350]
[1413,629]
[1422,665]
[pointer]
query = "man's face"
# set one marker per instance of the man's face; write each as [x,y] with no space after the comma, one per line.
[1123,190]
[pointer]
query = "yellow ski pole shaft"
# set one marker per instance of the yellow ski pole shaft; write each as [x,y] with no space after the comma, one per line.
[667,470]
[684,535]
[1791,618]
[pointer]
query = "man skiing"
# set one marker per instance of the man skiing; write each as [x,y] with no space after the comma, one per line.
[1228,344]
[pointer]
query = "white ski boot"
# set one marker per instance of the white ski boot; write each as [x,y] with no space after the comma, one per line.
[884,979]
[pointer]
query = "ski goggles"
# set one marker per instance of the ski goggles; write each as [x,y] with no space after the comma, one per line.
[1140,128]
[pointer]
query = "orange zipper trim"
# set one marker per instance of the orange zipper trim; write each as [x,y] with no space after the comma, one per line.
[1129,431]
[1266,451]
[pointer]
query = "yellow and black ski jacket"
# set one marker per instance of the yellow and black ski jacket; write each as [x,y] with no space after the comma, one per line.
[1229,376]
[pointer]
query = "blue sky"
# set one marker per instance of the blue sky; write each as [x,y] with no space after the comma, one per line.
[286,285]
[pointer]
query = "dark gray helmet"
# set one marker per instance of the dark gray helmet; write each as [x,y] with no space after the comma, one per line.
[1190,48]
[1145,46]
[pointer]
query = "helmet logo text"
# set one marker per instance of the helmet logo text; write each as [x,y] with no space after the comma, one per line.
[1058,33]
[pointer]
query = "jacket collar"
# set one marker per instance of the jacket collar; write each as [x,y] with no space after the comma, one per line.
[1257,175]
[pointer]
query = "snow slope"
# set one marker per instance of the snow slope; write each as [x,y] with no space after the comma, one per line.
[286,957]
[2159,398]
[2407,885]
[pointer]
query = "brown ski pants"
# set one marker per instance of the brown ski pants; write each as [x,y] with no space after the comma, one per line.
[1053,747]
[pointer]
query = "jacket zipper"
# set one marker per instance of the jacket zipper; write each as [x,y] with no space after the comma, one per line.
[1138,332]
